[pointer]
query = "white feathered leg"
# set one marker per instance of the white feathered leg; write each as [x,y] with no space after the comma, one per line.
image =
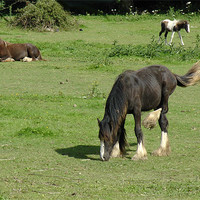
[180,38]
[172,36]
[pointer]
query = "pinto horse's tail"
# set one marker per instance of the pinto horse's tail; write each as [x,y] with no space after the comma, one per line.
[192,77]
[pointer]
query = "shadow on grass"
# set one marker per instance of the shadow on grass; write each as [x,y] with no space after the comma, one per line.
[80,151]
[84,151]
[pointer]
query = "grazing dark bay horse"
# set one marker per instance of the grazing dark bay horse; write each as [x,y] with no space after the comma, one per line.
[136,91]
[173,26]
[15,52]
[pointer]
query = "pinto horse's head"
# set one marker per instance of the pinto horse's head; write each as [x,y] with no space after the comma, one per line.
[187,26]
[182,24]
[107,139]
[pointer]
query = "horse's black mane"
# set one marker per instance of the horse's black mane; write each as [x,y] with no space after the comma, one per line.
[116,103]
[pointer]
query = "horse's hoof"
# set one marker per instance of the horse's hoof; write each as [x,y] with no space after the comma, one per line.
[161,152]
[138,157]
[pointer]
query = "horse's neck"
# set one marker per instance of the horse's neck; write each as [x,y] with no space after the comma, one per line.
[7,49]
[117,116]
[6,44]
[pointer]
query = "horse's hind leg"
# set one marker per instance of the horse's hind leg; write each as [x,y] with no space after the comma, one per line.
[166,33]
[160,35]
[33,52]
[162,31]
[164,148]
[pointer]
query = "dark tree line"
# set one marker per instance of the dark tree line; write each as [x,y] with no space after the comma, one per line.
[112,6]
[126,6]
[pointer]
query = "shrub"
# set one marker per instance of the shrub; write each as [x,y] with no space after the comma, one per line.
[44,15]
[2,4]
[95,92]
[155,50]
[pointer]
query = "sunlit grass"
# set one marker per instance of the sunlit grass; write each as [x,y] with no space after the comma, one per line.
[49,147]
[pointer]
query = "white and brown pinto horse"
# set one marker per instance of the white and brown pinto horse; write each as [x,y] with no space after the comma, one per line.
[173,26]
[10,52]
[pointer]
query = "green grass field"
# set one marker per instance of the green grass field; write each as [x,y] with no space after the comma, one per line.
[49,146]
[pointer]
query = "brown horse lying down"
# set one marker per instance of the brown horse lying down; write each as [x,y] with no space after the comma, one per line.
[10,52]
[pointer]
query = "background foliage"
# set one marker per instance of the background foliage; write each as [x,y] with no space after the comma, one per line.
[112,6]
[44,15]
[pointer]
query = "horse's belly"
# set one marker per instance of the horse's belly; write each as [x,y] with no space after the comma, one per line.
[150,102]
[21,56]
[18,52]
[150,107]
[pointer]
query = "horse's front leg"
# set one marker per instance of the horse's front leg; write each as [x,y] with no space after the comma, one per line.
[116,151]
[119,147]
[8,60]
[172,36]
[180,38]
[141,153]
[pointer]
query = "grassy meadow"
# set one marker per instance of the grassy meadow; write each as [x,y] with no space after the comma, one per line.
[49,146]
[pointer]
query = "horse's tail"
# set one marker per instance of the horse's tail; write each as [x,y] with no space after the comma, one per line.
[192,77]
[40,58]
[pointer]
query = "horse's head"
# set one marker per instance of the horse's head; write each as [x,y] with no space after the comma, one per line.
[187,26]
[107,138]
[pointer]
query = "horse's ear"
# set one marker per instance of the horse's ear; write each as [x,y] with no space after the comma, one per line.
[98,121]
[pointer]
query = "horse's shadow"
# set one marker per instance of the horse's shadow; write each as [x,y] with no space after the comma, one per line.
[83,151]
[80,152]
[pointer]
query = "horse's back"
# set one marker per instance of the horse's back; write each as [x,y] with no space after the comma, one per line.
[153,73]
[147,85]
[168,24]
[157,75]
